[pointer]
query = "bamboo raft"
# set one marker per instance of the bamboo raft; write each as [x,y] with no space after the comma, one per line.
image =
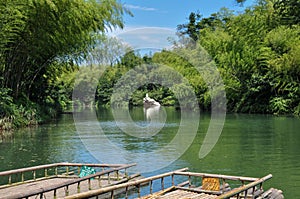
[212,186]
[61,180]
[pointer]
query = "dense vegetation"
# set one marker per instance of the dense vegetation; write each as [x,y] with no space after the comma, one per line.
[40,43]
[257,54]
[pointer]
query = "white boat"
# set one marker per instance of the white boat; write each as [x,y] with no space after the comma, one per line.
[149,102]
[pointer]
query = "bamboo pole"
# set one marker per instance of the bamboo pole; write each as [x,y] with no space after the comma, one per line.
[78,187]
[227,177]
[108,178]
[67,190]
[151,186]
[198,190]
[173,181]
[78,170]
[89,184]
[238,190]
[126,192]
[34,175]
[99,182]
[112,194]
[139,190]
[56,171]
[118,176]
[62,164]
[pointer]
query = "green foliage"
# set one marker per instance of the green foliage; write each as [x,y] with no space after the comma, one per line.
[197,23]
[289,11]
[6,103]
[40,42]
[155,79]
[257,53]
[297,110]
[38,33]
[166,77]
[106,84]
[131,60]
[279,105]
[192,28]
[284,44]
[17,114]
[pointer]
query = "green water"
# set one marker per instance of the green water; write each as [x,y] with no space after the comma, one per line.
[250,145]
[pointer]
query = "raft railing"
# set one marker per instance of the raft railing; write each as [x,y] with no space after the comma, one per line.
[247,186]
[138,184]
[56,170]
[241,191]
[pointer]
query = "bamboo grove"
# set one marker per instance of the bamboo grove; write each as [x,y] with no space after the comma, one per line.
[39,41]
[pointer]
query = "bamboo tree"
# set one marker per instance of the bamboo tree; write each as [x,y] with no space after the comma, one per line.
[50,31]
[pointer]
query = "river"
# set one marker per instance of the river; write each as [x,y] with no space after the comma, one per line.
[249,145]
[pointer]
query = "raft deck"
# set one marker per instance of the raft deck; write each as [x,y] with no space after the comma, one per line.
[64,180]
[211,187]
[60,180]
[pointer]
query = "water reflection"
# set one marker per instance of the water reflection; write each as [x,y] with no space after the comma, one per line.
[152,113]
[152,146]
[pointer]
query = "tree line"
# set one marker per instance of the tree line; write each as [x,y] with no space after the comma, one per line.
[43,45]
[256,53]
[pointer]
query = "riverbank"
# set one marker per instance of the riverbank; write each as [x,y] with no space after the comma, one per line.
[18,115]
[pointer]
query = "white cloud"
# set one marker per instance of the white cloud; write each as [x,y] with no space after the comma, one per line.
[135,7]
[146,37]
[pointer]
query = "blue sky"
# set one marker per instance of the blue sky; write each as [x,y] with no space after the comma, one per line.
[170,13]
[156,20]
